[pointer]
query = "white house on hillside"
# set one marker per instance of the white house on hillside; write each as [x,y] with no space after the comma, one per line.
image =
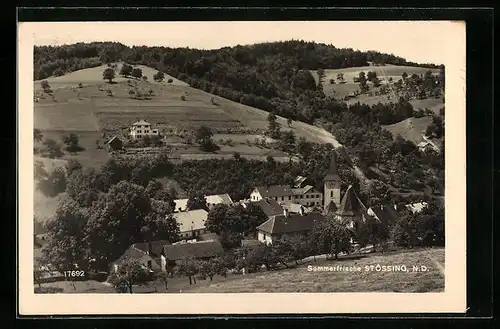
[141,128]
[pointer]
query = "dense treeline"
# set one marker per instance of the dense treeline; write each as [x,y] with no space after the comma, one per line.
[270,76]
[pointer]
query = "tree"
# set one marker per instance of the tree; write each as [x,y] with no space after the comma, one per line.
[66,247]
[128,274]
[196,201]
[293,248]
[203,137]
[189,267]
[404,76]
[72,141]
[126,70]
[45,85]
[54,183]
[371,76]
[37,135]
[289,121]
[51,149]
[170,80]
[210,267]
[40,171]
[108,74]
[273,127]
[340,76]
[159,76]
[144,78]
[253,216]
[122,216]
[287,141]
[137,73]
[332,237]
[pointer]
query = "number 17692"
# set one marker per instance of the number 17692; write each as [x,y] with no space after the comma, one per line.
[74,274]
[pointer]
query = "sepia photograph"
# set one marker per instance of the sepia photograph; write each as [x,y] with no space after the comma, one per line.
[198,160]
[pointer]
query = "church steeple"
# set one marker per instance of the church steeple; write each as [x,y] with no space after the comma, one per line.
[331,185]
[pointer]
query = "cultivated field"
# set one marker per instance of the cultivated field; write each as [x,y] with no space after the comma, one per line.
[340,90]
[302,280]
[98,110]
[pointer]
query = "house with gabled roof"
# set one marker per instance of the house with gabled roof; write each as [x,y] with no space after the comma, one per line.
[149,254]
[284,194]
[202,250]
[212,200]
[286,224]
[191,223]
[142,128]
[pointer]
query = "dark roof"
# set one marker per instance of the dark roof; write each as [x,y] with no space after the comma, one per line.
[299,181]
[270,207]
[332,173]
[291,223]
[275,190]
[156,246]
[114,139]
[131,253]
[350,204]
[331,208]
[202,249]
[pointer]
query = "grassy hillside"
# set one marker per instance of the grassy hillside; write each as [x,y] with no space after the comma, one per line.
[302,280]
[340,90]
[410,129]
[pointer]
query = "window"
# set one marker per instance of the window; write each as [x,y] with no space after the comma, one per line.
[146,131]
[331,194]
[307,196]
[282,198]
[264,236]
[301,196]
[318,196]
[150,264]
[289,197]
[276,198]
[139,131]
[139,136]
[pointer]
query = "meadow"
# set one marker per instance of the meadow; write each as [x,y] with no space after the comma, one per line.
[301,279]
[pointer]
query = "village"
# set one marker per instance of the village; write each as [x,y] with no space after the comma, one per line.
[289,213]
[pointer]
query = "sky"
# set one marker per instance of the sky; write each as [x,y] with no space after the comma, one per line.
[417,41]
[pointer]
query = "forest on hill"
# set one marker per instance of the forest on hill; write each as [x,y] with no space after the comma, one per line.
[275,77]
[270,76]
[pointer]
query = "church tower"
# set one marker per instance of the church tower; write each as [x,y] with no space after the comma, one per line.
[331,186]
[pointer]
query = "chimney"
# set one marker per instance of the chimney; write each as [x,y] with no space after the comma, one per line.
[285,212]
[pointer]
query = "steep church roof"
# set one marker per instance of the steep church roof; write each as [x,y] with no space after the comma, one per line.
[351,204]
[331,208]
[332,174]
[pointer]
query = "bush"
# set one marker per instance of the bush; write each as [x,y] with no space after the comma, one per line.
[183,98]
[170,80]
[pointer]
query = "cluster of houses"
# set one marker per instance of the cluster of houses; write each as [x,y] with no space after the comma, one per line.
[290,210]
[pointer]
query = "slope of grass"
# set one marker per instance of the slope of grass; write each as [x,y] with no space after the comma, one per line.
[302,279]
[92,76]
[410,129]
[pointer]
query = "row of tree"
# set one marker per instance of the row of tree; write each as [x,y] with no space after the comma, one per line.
[331,237]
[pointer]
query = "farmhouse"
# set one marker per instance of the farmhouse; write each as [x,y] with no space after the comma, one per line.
[115,144]
[307,195]
[286,224]
[212,200]
[201,250]
[142,128]
[148,254]
[191,223]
